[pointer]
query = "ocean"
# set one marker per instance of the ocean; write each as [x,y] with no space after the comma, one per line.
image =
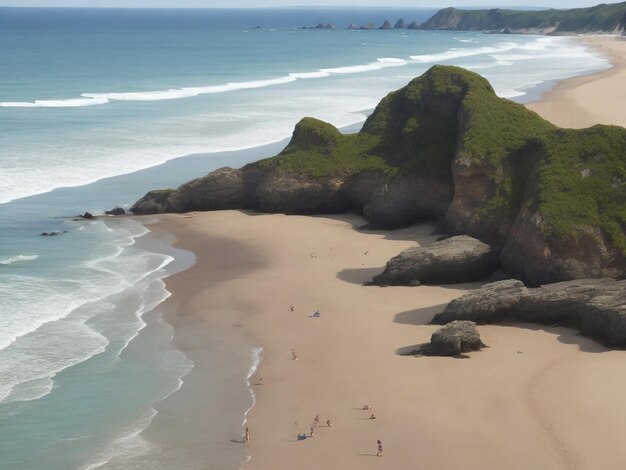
[99,106]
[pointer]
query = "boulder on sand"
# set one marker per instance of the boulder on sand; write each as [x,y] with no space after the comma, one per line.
[454,339]
[453,260]
[596,307]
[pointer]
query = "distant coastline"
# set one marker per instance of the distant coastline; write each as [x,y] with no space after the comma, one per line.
[607,19]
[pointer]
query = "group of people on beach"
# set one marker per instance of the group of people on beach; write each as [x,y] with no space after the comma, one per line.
[379,443]
[316,423]
[316,420]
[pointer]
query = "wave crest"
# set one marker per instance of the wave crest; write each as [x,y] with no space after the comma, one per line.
[95,99]
[18,258]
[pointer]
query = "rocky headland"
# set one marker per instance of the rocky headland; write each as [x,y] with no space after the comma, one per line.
[446,148]
[601,18]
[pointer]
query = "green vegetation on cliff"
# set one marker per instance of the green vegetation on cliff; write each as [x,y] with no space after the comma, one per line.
[446,146]
[317,149]
[582,183]
[598,18]
[450,117]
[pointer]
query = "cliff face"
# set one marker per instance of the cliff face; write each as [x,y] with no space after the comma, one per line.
[579,20]
[446,147]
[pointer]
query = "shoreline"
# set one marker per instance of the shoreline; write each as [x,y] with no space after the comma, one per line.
[586,100]
[546,424]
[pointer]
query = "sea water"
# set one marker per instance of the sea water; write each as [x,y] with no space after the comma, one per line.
[96,106]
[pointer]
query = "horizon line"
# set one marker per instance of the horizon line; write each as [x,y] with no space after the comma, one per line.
[280,7]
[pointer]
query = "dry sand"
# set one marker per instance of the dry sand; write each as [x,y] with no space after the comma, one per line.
[538,398]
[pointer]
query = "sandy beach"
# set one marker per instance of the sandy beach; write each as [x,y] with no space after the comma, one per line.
[537,398]
[592,99]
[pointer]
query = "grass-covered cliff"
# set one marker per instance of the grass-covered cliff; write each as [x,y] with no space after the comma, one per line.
[445,146]
[607,18]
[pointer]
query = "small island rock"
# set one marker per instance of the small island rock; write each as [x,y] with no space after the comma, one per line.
[116,211]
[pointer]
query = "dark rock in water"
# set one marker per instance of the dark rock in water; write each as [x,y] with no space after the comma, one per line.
[116,211]
[369,25]
[596,307]
[329,26]
[400,24]
[52,234]
[453,260]
[319,26]
[454,339]
[413,25]
[386,25]
[87,215]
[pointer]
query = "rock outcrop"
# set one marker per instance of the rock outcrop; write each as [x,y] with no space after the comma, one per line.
[596,307]
[400,24]
[454,339]
[453,260]
[116,211]
[446,147]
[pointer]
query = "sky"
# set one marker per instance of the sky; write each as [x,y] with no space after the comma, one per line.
[433,4]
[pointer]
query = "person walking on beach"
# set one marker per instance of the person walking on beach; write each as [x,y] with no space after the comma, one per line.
[246,436]
[294,356]
[328,423]
[317,420]
[312,431]
[380,448]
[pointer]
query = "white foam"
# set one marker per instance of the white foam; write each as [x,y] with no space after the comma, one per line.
[456,53]
[94,99]
[128,444]
[18,258]
[178,93]
[256,360]
[318,74]
[52,314]
[379,64]
[68,103]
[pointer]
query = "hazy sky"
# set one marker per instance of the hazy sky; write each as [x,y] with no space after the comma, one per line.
[275,3]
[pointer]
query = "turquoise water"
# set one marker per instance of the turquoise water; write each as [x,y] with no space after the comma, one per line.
[92,105]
